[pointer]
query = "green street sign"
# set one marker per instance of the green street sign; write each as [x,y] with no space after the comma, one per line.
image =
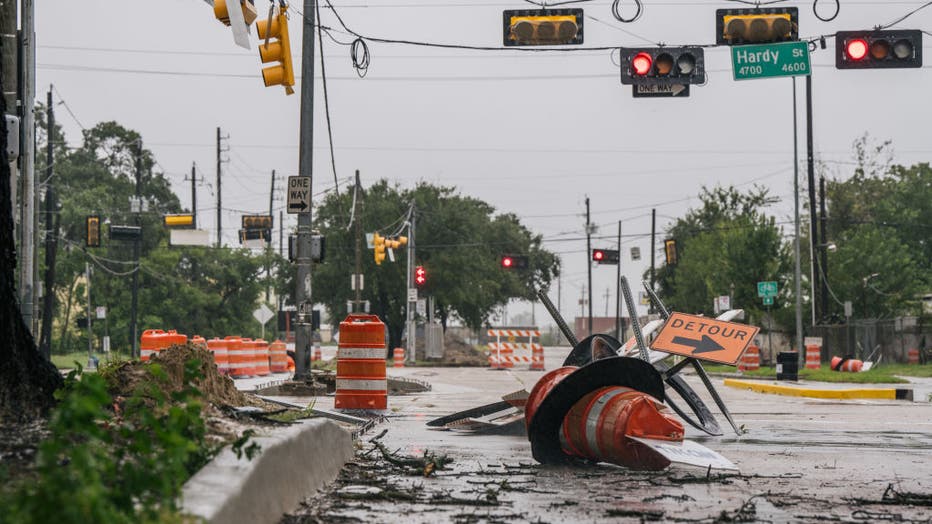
[770,60]
[768,301]
[767,289]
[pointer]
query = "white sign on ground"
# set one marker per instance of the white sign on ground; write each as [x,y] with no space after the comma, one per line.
[688,452]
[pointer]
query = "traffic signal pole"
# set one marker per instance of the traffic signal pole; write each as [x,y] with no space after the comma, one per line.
[589,266]
[303,296]
[134,305]
[813,237]
[410,325]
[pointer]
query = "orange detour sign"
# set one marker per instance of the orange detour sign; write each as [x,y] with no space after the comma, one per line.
[704,338]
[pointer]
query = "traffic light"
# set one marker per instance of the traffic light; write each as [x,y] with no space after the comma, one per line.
[662,65]
[257,222]
[178,221]
[420,276]
[276,47]
[669,248]
[255,234]
[606,256]
[514,261]
[248,7]
[888,49]
[756,25]
[92,237]
[378,245]
[542,27]
[125,232]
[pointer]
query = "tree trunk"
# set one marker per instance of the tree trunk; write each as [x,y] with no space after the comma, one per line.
[63,340]
[27,381]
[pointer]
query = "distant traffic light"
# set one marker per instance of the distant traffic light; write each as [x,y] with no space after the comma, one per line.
[606,256]
[420,276]
[222,14]
[92,236]
[542,27]
[514,261]
[257,222]
[888,49]
[378,248]
[662,65]
[669,248]
[276,47]
[178,221]
[125,232]
[756,25]
[255,234]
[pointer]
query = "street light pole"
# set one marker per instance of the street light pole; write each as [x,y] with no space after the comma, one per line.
[797,274]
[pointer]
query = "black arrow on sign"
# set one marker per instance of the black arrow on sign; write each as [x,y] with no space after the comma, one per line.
[300,205]
[705,345]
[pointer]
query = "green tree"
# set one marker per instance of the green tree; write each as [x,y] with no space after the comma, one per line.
[459,242]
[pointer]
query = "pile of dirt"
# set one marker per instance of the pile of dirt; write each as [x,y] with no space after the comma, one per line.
[456,352]
[126,378]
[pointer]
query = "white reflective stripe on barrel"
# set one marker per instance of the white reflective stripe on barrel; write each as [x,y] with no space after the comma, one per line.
[147,352]
[366,385]
[370,353]
[592,420]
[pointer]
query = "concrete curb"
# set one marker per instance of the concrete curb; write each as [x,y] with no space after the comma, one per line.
[795,391]
[292,463]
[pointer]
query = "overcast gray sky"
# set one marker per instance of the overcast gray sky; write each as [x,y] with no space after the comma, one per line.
[531,133]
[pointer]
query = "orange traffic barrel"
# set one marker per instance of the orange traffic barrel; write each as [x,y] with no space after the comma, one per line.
[598,425]
[237,358]
[913,356]
[175,338]
[290,365]
[199,342]
[846,364]
[361,381]
[151,342]
[542,388]
[813,357]
[249,356]
[399,358]
[278,357]
[537,357]
[750,360]
[260,357]
[316,354]
[218,347]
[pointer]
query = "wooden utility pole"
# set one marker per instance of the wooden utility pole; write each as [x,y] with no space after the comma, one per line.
[51,238]
[357,280]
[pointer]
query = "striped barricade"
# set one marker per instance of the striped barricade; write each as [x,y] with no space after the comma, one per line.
[361,379]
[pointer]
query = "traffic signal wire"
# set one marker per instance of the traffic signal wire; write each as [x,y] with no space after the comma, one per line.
[323,76]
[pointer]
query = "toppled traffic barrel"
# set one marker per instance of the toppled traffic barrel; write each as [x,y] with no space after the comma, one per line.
[593,412]
[361,379]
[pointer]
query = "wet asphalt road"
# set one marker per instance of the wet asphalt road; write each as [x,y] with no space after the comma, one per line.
[801,460]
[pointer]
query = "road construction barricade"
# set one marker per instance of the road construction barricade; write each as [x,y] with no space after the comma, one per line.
[175,339]
[260,357]
[249,356]
[912,356]
[218,347]
[537,357]
[846,364]
[316,355]
[502,354]
[750,360]
[238,359]
[151,342]
[399,358]
[361,379]
[199,342]
[813,357]
[278,357]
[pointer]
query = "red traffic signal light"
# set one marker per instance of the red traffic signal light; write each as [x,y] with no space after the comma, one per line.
[514,261]
[662,65]
[870,49]
[420,276]
[756,25]
[542,26]
[606,256]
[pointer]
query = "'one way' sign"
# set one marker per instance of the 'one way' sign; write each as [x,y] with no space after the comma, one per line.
[299,194]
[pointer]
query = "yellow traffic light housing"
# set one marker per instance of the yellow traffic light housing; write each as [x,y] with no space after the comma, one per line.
[276,47]
[254,222]
[178,221]
[756,26]
[92,235]
[402,240]
[222,14]
[669,248]
[543,27]
[378,244]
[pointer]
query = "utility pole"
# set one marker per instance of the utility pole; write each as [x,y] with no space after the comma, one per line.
[303,292]
[823,249]
[268,246]
[219,200]
[356,217]
[653,255]
[410,325]
[134,307]
[618,288]
[51,239]
[90,331]
[194,193]
[607,295]
[813,237]
[796,243]
[559,306]
[589,263]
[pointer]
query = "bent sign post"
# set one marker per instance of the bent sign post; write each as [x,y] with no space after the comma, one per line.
[704,338]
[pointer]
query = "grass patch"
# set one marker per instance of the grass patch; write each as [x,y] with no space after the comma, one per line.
[908,370]
[67,360]
[881,375]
